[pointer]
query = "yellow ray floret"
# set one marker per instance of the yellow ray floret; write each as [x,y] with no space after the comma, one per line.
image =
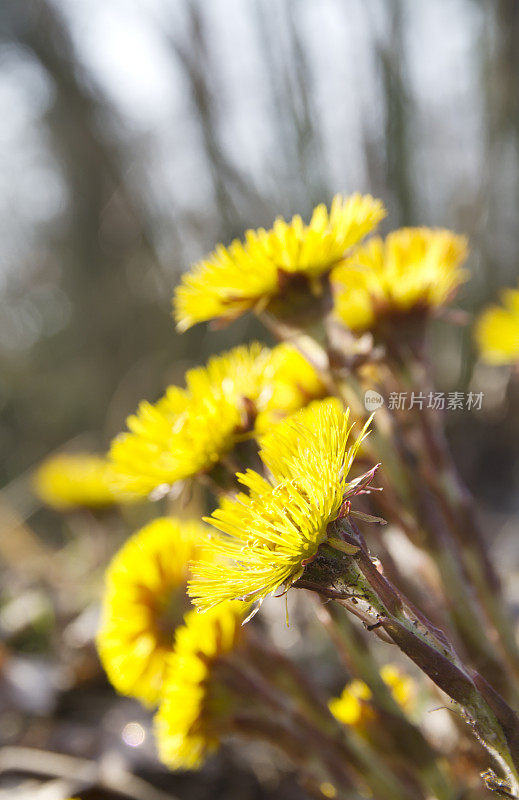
[79,480]
[234,279]
[144,601]
[266,536]
[189,430]
[353,706]
[412,269]
[193,704]
[497,330]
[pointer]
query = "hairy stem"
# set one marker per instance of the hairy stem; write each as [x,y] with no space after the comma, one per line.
[494,723]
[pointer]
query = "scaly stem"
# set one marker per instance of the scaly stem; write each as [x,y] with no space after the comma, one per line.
[494,723]
[405,737]
[440,475]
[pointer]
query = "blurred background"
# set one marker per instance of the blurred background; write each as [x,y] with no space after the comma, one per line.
[134,135]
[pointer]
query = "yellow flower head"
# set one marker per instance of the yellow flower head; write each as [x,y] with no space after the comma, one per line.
[353,706]
[144,601]
[250,274]
[268,535]
[79,480]
[194,703]
[403,687]
[291,382]
[188,430]
[497,330]
[413,269]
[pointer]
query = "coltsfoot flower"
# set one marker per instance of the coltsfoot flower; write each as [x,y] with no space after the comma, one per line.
[497,330]
[291,382]
[194,703]
[353,707]
[144,601]
[403,687]
[413,269]
[250,274]
[266,537]
[188,431]
[79,480]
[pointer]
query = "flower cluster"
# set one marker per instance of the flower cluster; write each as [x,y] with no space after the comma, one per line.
[289,521]
[270,535]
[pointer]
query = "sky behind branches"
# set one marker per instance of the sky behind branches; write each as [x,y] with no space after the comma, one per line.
[138,133]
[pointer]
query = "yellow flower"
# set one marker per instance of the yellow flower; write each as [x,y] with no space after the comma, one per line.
[249,274]
[194,703]
[291,382]
[144,601]
[266,537]
[353,706]
[497,330]
[403,687]
[189,430]
[79,480]
[413,269]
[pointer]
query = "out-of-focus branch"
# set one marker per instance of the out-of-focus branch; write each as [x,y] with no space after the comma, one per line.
[230,186]
[79,774]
